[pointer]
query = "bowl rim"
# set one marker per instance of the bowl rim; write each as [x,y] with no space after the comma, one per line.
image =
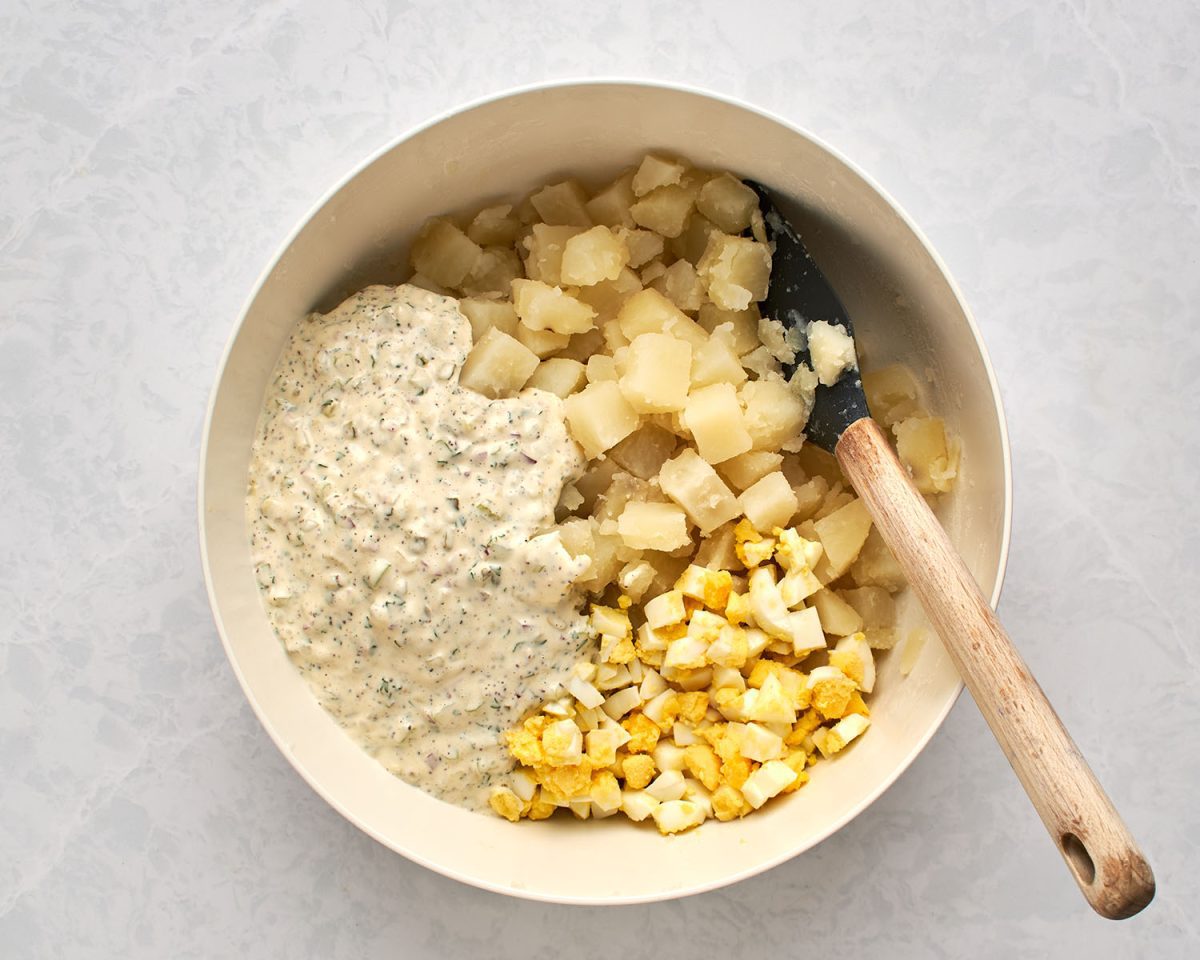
[787,853]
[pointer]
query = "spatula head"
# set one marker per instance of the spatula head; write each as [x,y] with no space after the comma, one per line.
[798,295]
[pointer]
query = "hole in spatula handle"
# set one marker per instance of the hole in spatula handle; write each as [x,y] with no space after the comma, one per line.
[1079,859]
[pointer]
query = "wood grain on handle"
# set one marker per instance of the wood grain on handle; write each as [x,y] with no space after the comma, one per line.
[1088,831]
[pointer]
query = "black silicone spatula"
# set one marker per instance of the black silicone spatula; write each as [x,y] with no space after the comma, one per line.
[1102,855]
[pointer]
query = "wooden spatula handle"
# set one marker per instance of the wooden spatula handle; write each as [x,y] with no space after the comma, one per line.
[1088,831]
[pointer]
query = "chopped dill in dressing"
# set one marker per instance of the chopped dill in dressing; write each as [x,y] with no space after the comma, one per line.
[395,522]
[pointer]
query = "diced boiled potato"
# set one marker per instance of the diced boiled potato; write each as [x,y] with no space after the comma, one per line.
[657,373]
[745,470]
[647,311]
[876,566]
[494,270]
[645,450]
[496,225]
[624,489]
[693,241]
[485,314]
[541,342]
[769,502]
[498,366]
[695,486]
[595,480]
[601,367]
[837,616]
[643,245]
[921,446]
[744,322]
[831,350]
[892,394]
[443,252]
[614,336]
[763,364]
[594,255]
[583,345]
[562,204]
[665,210]
[809,496]
[681,285]
[817,462]
[873,604]
[540,306]
[727,202]
[714,417]
[425,283]
[608,296]
[843,534]
[735,271]
[652,272]
[716,361]
[559,376]
[718,550]
[599,417]
[654,172]
[653,526]
[774,414]
[545,247]
[610,206]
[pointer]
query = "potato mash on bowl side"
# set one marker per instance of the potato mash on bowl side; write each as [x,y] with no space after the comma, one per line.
[540,529]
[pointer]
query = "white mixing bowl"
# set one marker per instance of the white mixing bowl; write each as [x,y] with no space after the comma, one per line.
[905,308]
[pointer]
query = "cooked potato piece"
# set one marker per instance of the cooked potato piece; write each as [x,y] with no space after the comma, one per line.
[498,366]
[873,604]
[493,273]
[831,349]
[892,394]
[583,345]
[774,414]
[653,271]
[843,533]
[693,240]
[544,247]
[594,255]
[817,462]
[647,311]
[656,172]
[837,616]
[657,373]
[694,485]
[645,450]
[714,417]
[541,342]
[540,306]
[876,566]
[494,226]
[769,502]
[643,245]
[601,367]
[921,446]
[653,526]
[735,271]
[422,281]
[666,209]
[443,253]
[595,480]
[485,314]
[609,296]
[623,490]
[718,550]
[681,285]
[606,552]
[727,202]
[716,361]
[559,376]
[809,496]
[599,417]
[743,471]
[614,336]
[745,325]
[610,206]
[562,204]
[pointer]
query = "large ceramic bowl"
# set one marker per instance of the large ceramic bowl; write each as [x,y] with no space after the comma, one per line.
[905,307]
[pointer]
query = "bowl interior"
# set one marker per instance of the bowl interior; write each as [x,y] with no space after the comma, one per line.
[905,309]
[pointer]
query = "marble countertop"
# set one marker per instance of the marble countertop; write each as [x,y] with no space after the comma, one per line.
[152,156]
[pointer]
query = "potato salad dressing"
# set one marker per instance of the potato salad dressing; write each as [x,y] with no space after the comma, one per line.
[396,529]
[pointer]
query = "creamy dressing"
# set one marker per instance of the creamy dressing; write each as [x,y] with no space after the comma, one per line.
[395,521]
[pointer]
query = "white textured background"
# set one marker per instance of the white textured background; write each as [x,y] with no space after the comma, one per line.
[152,157]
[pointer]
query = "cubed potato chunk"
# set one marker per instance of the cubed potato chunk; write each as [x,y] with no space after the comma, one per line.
[655,172]
[485,314]
[650,312]
[645,450]
[837,616]
[743,471]
[541,342]
[540,306]
[498,366]
[562,204]
[714,417]
[718,551]
[653,526]
[601,367]
[873,604]
[494,271]
[769,502]
[599,417]
[921,446]
[693,240]
[809,496]
[892,394]
[643,246]
[559,376]
[727,202]
[594,255]
[583,345]
[745,325]
[666,209]
[774,415]
[609,296]
[495,226]
[443,252]
[735,271]
[694,485]
[545,247]
[716,361]
[843,534]
[876,566]
[832,351]
[610,206]
[657,373]
[681,285]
